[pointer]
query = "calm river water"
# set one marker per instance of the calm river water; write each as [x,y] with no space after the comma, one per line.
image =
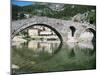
[48,56]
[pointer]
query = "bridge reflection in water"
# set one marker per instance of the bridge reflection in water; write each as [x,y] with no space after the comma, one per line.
[42,56]
[40,48]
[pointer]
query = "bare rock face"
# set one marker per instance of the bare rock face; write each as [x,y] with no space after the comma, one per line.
[80,17]
[54,6]
[57,7]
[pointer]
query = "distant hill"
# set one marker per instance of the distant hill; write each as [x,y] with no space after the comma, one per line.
[60,11]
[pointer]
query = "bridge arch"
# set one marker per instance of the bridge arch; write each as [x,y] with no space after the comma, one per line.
[92,31]
[45,25]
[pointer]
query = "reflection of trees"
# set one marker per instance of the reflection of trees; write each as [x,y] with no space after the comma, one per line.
[71,54]
[85,52]
[85,49]
[25,58]
[64,59]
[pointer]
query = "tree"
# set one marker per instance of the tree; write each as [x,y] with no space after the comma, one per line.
[22,16]
[92,17]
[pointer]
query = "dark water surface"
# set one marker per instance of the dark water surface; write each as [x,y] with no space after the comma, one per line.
[49,56]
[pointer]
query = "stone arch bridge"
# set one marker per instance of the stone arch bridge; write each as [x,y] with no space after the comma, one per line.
[63,28]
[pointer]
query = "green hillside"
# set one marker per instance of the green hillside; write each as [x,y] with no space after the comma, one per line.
[66,12]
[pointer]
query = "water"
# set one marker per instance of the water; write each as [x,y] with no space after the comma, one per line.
[49,56]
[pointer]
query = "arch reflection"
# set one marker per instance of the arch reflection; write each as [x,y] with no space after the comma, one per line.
[40,39]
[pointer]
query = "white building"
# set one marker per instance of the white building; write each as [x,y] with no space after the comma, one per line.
[45,33]
[33,32]
[27,15]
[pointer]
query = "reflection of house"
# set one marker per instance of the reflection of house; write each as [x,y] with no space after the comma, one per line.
[38,46]
[17,41]
[46,47]
[33,45]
